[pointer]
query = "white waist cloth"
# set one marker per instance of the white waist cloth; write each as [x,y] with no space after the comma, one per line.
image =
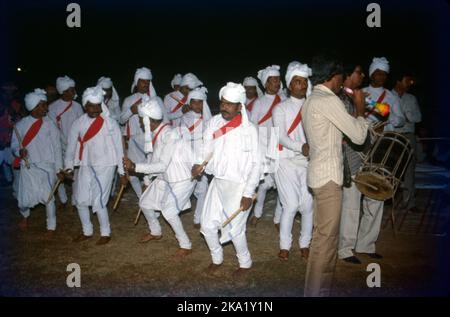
[222,200]
[35,184]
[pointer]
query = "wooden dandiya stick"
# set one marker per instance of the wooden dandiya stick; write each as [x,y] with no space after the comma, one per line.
[27,164]
[137,216]
[55,187]
[237,212]
[122,187]
[203,165]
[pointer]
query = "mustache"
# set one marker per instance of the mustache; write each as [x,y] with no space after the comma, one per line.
[224,112]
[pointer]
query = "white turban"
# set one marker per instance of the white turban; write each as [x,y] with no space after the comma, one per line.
[298,69]
[64,83]
[380,63]
[149,108]
[252,82]
[32,99]
[200,94]
[106,83]
[176,80]
[95,95]
[235,93]
[267,72]
[191,81]
[145,74]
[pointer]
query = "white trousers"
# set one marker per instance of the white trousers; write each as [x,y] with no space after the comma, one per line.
[354,234]
[222,200]
[103,219]
[201,188]
[294,196]
[268,183]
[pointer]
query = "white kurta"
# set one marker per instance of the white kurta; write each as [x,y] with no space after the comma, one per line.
[67,119]
[45,158]
[396,118]
[235,164]
[193,120]
[171,162]
[170,104]
[291,174]
[101,155]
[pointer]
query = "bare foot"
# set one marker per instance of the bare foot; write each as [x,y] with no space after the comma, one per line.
[103,240]
[149,237]
[23,224]
[254,221]
[277,226]
[181,254]
[241,273]
[212,268]
[196,225]
[283,255]
[49,235]
[305,253]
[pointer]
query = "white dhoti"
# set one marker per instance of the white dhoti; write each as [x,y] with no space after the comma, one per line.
[92,187]
[170,199]
[222,200]
[294,196]
[268,183]
[35,185]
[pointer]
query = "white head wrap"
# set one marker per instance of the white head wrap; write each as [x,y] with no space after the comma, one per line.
[200,93]
[64,83]
[149,108]
[267,72]
[191,81]
[298,69]
[95,95]
[250,81]
[145,74]
[106,83]
[233,92]
[176,80]
[380,63]
[32,99]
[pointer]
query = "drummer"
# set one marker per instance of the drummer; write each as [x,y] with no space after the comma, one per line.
[354,234]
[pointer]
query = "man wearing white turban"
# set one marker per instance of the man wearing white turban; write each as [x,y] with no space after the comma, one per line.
[37,148]
[293,150]
[171,164]
[378,73]
[142,86]
[193,124]
[176,81]
[231,153]
[95,146]
[261,115]
[63,112]
[252,92]
[111,98]
[175,103]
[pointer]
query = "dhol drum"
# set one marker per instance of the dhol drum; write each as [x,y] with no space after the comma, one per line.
[383,166]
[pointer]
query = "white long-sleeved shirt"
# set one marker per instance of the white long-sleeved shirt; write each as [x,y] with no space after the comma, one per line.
[235,155]
[283,116]
[192,119]
[171,157]
[396,118]
[170,104]
[45,146]
[67,119]
[128,118]
[325,120]
[411,111]
[104,149]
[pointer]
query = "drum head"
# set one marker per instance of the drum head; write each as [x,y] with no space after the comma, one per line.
[366,182]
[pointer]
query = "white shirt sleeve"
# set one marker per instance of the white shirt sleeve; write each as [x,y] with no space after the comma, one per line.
[72,140]
[280,122]
[169,143]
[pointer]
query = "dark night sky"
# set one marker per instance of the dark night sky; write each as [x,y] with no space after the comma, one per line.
[220,41]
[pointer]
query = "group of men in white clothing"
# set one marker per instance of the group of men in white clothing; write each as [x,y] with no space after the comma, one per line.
[170,149]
